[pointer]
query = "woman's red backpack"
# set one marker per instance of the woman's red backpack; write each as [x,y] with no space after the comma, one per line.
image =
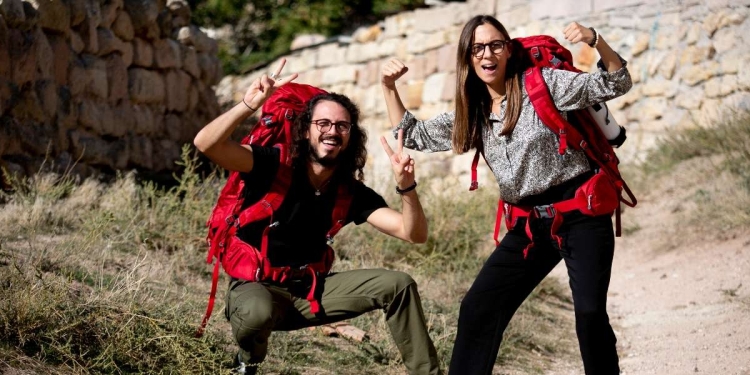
[238,258]
[600,195]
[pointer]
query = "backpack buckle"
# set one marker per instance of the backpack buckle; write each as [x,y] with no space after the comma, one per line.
[274,224]
[289,116]
[555,61]
[267,121]
[329,240]
[535,53]
[546,211]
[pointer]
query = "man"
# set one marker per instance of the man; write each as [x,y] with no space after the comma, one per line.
[328,150]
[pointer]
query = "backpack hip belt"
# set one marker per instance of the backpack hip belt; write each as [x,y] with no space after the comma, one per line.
[599,195]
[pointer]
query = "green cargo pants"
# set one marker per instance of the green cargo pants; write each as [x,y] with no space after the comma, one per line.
[256,309]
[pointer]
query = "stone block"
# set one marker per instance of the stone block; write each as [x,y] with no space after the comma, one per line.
[194,36]
[77,11]
[164,22]
[76,42]
[95,116]
[419,42]
[27,106]
[143,53]
[190,61]
[96,68]
[53,15]
[369,74]
[109,11]
[46,92]
[690,98]
[331,54]
[78,77]
[12,12]
[699,73]
[433,88]
[62,55]
[123,27]
[447,58]
[167,54]
[414,95]
[340,74]
[89,148]
[143,15]
[177,86]
[544,9]
[23,57]
[117,74]
[44,57]
[145,86]
[449,88]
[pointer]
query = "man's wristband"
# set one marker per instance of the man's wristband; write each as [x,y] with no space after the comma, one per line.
[404,191]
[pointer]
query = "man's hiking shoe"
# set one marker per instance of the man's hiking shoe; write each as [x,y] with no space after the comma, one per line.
[240,368]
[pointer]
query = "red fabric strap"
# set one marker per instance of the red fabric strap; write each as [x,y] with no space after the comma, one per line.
[314,304]
[211,300]
[474,164]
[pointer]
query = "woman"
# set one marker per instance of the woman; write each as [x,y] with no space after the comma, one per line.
[493,114]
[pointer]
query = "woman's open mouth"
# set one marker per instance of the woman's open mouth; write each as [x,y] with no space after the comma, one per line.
[489,68]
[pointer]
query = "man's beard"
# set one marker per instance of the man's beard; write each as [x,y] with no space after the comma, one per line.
[326,161]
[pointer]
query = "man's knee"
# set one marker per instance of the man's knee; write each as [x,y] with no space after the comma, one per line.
[401,280]
[250,318]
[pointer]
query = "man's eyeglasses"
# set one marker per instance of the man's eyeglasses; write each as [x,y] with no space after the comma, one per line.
[325,124]
[496,46]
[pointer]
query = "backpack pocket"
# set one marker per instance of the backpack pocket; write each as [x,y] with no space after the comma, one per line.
[241,261]
[598,196]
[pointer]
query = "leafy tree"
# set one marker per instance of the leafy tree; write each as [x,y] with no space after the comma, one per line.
[263,29]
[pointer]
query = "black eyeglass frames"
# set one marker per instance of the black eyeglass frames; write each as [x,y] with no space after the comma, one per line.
[325,124]
[496,46]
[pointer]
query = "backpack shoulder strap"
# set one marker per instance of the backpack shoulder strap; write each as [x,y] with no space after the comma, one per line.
[545,107]
[271,201]
[340,210]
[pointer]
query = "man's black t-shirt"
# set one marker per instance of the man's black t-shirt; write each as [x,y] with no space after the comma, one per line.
[304,218]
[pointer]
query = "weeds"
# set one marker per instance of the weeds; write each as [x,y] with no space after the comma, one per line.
[722,193]
[112,279]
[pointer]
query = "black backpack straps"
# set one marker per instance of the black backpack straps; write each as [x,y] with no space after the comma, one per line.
[340,210]
[266,206]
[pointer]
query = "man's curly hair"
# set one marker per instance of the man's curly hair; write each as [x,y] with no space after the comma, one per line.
[351,161]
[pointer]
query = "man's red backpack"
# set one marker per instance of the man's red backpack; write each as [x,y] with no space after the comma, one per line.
[239,259]
[599,195]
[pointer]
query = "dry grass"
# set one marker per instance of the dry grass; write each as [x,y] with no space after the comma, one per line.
[701,176]
[111,278]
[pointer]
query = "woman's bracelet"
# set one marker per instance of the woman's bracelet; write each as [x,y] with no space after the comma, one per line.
[596,38]
[408,189]
[248,105]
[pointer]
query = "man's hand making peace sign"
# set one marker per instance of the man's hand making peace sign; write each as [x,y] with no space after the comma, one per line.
[402,163]
[213,140]
[262,88]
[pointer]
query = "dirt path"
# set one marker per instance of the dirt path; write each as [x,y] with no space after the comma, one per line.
[684,311]
[679,299]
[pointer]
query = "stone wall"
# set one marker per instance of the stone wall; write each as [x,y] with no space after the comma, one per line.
[111,84]
[685,58]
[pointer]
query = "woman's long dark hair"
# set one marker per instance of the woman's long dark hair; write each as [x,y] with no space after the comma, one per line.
[473,101]
[352,159]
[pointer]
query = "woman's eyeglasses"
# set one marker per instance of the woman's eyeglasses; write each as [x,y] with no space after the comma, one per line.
[325,124]
[496,46]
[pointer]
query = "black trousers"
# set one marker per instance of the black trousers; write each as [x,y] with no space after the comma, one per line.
[506,279]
